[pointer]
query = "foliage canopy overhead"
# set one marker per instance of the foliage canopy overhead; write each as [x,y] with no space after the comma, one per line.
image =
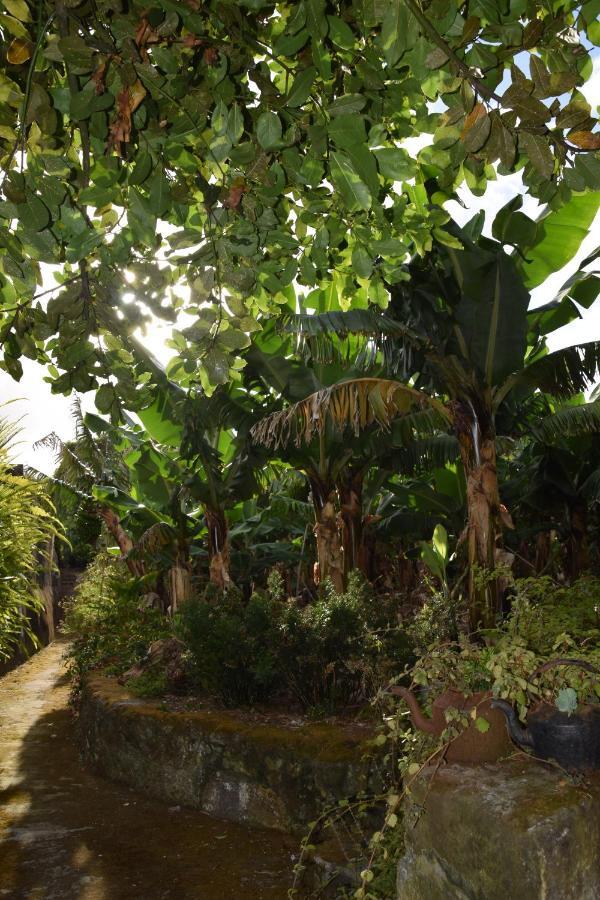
[251,149]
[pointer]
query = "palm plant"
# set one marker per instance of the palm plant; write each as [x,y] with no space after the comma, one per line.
[84,462]
[28,527]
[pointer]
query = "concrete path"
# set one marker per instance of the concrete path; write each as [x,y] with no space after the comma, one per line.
[66,834]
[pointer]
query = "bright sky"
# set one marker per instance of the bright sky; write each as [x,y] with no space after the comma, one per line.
[43,412]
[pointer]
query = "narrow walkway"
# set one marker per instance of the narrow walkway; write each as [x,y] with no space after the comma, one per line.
[66,834]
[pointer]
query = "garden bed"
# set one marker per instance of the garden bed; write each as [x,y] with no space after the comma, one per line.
[276,772]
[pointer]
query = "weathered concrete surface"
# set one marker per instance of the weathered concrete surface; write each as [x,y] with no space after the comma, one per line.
[68,835]
[516,830]
[268,775]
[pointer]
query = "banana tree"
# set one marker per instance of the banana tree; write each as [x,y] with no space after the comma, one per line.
[460,322]
[209,436]
[557,478]
[306,434]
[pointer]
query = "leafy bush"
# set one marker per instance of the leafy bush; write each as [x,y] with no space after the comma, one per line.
[109,623]
[232,646]
[436,621]
[543,611]
[327,654]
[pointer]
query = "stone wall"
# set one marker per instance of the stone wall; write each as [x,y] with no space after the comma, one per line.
[517,830]
[273,776]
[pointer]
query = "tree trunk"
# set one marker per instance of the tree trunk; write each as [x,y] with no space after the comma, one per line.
[577,546]
[350,489]
[218,548]
[484,527]
[124,542]
[180,586]
[327,533]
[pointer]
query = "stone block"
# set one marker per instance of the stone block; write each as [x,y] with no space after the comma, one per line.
[516,830]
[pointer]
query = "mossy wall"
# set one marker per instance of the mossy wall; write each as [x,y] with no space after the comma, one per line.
[273,776]
[516,830]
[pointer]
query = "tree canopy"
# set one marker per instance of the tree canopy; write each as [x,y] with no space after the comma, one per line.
[255,153]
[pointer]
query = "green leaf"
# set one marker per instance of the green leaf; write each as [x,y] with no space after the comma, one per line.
[395,163]
[566,701]
[440,541]
[33,213]
[538,150]
[346,180]
[105,396]
[501,143]
[160,194]
[559,236]
[432,560]
[482,724]
[362,262]
[315,19]
[18,9]
[142,167]
[492,312]
[269,130]
[340,33]
[235,124]
[397,31]
[216,366]
[300,89]
[346,105]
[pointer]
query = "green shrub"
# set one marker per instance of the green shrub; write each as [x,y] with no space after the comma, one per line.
[107,620]
[232,646]
[330,653]
[435,622]
[543,611]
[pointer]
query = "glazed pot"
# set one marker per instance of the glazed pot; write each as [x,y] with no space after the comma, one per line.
[471,745]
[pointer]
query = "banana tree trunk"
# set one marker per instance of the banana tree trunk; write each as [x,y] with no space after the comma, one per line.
[180,586]
[350,491]
[577,546]
[124,542]
[218,548]
[477,442]
[330,557]
[180,578]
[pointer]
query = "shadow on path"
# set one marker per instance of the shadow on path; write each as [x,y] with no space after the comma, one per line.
[65,833]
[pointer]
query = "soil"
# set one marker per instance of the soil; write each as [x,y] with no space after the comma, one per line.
[66,834]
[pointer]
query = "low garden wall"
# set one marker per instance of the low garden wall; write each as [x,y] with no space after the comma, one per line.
[269,775]
[517,830]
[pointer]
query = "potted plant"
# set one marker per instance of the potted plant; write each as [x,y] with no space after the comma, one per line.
[453,679]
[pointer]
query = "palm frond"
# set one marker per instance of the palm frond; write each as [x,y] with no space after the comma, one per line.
[9,430]
[428,453]
[565,372]
[570,421]
[324,338]
[355,404]
[421,423]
